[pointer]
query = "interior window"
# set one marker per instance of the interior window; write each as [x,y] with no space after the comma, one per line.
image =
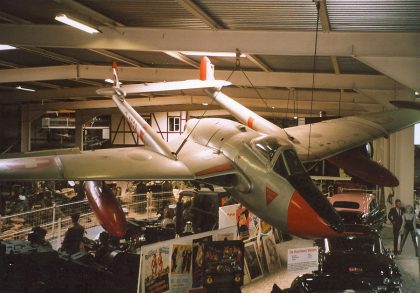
[267,146]
[293,162]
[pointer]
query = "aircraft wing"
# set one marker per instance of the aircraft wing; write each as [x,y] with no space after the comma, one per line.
[331,137]
[133,163]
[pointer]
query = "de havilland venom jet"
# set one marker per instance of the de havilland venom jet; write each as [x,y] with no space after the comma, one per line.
[259,163]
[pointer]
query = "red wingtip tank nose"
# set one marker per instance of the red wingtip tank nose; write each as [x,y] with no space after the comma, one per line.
[304,221]
[106,208]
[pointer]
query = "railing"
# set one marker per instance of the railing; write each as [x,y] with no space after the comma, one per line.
[56,219]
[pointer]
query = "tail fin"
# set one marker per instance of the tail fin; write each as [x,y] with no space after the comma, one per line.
[206,69]
[115,75]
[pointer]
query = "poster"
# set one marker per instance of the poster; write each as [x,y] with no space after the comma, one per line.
[227,216]
[198,259]
[156,269]
[223,264]
[242,222]
[181,267]
[272,255]
[251,260]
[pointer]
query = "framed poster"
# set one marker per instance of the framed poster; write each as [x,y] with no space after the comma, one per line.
[272,255]
[180,277]
[198,248]
[224,264]
[156,269]
[252,261]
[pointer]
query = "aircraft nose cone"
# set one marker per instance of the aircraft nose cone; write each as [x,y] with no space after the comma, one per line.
[305,222]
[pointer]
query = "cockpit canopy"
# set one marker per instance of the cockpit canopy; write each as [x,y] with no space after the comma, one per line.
[285,161]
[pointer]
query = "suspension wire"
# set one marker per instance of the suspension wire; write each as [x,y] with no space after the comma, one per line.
[205,111]
[339,103]
[313,73]
[265,103]
[287,107]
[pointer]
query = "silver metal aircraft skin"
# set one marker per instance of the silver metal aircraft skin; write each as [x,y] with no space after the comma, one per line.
[257,161]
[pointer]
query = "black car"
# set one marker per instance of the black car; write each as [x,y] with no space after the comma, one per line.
[356,262]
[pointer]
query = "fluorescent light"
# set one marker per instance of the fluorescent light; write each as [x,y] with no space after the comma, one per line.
[76,24]
[6,47]
[24,89]
[211,54]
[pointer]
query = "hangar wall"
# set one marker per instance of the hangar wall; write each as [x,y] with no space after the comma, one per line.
[397,154]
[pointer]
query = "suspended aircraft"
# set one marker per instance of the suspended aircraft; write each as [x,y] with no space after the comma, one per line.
[258,162]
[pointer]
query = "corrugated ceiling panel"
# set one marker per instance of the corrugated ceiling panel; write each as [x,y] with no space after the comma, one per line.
[297,63]
[26,59]
[147,13]
[83,55]
[354,66]
[262,15]
[38,12]
[374,15]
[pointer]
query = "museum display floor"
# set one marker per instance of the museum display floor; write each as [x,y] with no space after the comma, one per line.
[407,263]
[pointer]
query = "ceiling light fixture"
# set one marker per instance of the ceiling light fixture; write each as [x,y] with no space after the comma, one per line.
[7,47]
[76,24]
[24,89]
[211,54]
[205,104]
[416,93]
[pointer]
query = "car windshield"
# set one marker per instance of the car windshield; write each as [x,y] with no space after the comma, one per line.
[369,243]
[267,146]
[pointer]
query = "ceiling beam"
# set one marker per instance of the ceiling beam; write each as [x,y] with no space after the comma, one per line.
[257,61]
[49,54]
[183,58]
[248,42]
[117,57]
[323,16]
[250,93]
[200,13]
[273,79]
[172,101]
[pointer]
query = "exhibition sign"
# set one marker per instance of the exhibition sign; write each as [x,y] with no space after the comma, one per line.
[302,259]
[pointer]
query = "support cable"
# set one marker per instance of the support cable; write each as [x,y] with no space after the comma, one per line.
[318,4]
[205,111]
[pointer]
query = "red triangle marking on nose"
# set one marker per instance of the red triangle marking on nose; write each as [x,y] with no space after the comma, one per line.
[269,195]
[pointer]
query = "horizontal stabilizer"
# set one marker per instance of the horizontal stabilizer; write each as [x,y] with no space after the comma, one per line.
[165,86]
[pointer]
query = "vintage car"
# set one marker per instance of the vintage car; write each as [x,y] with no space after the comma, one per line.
[351,263]
[359,208]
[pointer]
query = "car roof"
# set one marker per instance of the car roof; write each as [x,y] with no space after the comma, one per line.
[362,199]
